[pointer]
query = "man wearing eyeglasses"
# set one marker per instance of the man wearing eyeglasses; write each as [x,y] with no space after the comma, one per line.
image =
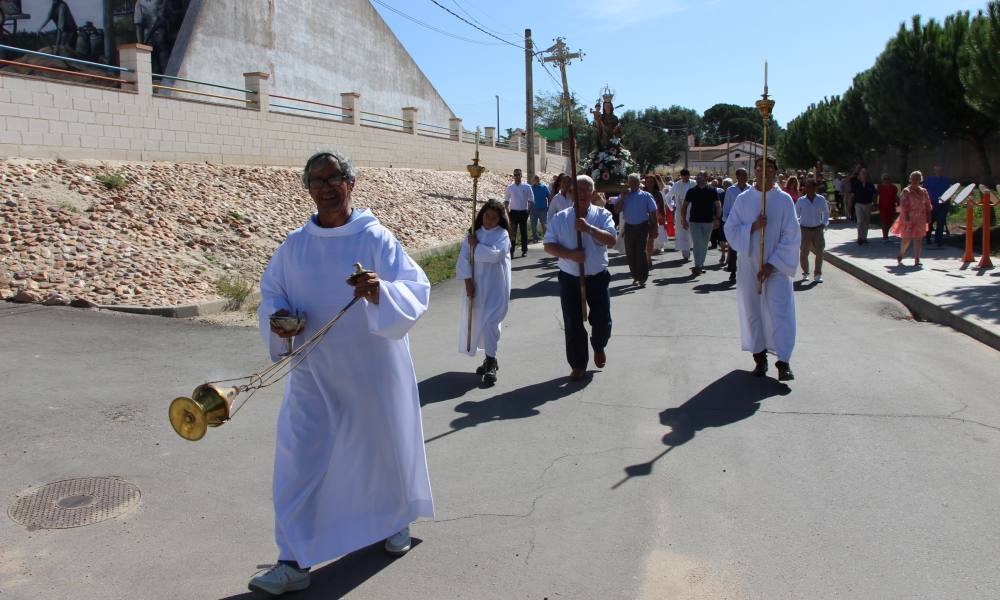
[349,466]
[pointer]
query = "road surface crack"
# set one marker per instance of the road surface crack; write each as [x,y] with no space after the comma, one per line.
[948,417]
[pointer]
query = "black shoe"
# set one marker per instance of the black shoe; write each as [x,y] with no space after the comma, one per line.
[732,277]
[784,371]
[481,369]
[492,366]
[761,369]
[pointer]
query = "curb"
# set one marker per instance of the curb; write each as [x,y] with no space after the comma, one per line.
[214,307]
[921,308]
[183,311]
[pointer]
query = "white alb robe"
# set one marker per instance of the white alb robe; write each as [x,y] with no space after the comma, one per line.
[682,237]
[767,320]
[349,466]
[492,290]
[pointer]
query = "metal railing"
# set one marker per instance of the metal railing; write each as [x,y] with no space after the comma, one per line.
[402,125]
[67,59]
[435,131]
[346,114]
[46,69]
[171,88]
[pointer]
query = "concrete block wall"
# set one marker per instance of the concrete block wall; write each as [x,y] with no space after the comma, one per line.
[41,118]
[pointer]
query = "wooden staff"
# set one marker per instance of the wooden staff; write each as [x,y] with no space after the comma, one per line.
[764,106]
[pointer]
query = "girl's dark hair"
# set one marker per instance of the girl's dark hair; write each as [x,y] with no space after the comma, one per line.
[493,204]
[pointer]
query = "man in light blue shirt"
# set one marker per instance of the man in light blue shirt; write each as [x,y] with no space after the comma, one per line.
[540,206]
[637,209]
[597,233]
[814,215]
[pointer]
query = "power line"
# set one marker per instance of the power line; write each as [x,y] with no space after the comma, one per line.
[431,27]
[470,23]
[455,2]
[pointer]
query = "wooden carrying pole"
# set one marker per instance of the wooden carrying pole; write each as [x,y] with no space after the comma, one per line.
[562,57]
[764,106]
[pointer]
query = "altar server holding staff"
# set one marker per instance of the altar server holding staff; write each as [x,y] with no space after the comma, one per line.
[489,289]
[767,318]
[349,467]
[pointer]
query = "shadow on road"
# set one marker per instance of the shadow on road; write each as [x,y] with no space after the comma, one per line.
[549,262]
[515,404]
[342,576]
[731,398]
[548,286]
[447,386]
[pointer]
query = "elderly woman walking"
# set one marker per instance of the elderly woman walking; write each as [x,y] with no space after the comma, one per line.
[914,215]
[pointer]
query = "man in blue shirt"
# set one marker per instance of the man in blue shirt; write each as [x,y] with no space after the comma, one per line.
[597,234]
[638,209]
[936,185]
[540,206]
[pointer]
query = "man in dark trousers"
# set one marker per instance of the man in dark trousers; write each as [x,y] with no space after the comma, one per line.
[519,199]
[638,209]
[597,230]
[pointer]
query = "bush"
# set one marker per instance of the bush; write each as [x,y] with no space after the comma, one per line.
[234,288]
[112,181]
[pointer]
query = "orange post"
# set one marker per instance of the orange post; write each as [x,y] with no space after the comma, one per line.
[969,232]
[987,203]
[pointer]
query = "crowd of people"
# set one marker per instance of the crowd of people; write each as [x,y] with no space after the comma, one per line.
[348,473]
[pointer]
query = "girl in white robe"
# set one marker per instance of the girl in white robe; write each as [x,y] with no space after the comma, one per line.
[349,466]
[488,287]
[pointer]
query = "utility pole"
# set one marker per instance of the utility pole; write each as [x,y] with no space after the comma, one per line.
[529,104]
[687,144]
[728,136]
[498,114]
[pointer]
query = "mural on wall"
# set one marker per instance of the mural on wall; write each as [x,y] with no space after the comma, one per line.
[91,29]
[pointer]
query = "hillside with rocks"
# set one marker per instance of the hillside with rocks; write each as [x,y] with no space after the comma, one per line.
[163,234]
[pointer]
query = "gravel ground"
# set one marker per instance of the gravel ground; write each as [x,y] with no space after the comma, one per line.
[169,234]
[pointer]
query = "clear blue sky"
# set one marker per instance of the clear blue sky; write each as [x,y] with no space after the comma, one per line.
[693,53]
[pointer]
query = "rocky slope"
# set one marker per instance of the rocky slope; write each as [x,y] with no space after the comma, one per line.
[172,231]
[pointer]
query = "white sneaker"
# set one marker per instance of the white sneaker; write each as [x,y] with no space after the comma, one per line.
[818,278]
[805,277]
[279,579]
[399,543]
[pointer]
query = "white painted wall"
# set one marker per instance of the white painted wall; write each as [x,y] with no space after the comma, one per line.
[42,118]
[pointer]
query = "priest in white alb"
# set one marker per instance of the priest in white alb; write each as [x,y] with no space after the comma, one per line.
[349,467]
[767,319]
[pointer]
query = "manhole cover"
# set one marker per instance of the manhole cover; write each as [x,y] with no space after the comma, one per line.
[74,502]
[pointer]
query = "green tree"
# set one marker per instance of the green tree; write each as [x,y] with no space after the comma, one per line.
[793,143]
[825,136]
[896,97]
[549,114]
[950,114]
[861,136]
[740,122]
[981,63]
[657,136]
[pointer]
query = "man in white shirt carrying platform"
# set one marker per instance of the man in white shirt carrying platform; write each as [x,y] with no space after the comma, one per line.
[519,200]
[598,234]
[814,216]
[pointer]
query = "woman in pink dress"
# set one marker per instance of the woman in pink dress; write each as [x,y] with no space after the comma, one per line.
[914,214]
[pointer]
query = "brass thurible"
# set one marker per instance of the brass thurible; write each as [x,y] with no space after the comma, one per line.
[211,404]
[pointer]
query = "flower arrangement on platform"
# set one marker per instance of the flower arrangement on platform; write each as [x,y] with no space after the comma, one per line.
[610,165]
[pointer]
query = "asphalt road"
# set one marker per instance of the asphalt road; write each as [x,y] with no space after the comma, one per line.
[671,473]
